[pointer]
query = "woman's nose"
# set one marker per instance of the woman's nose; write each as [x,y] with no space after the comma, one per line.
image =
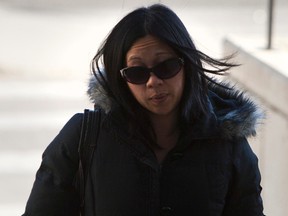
[153,80]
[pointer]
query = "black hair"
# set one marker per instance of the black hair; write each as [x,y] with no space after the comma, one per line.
[161,22]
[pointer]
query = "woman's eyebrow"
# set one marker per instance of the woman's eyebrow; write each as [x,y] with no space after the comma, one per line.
[159,53]
[131,58]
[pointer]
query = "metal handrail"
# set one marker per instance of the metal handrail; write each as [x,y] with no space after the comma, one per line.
[270,23]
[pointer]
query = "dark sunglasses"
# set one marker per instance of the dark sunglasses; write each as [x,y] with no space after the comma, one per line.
[164,70]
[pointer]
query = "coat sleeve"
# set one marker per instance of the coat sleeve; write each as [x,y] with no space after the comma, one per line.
[244,197]
[54,192]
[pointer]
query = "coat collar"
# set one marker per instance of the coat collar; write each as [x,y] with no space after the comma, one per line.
[232,112]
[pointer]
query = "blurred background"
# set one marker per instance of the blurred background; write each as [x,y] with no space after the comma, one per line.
[45,52]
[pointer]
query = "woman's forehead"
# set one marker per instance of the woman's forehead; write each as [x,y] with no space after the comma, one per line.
[148,44]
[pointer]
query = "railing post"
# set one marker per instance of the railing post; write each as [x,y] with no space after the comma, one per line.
[270,23]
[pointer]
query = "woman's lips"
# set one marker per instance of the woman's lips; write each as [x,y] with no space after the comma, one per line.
[159,98]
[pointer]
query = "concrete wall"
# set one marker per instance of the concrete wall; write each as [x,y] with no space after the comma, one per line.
[263,75]
[125,4]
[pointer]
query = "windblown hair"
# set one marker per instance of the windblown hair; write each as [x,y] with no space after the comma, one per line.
[161,22]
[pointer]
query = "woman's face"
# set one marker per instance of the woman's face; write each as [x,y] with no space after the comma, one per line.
[159,96]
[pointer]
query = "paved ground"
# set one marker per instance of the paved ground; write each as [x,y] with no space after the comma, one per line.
[44,67]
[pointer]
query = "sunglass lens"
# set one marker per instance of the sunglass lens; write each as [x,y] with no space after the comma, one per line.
[137,75]
[168,68]
[164,70]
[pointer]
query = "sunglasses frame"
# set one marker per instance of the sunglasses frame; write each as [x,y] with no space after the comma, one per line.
[150,70]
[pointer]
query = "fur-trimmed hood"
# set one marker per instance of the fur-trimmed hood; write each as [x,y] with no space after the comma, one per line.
[236,114]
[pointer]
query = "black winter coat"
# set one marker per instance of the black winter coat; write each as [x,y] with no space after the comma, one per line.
[211,172]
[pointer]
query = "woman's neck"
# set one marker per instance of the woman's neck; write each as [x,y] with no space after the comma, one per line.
[166,129]
[167,133]
[165,125]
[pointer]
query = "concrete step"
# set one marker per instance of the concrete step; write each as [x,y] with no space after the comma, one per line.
[32,112]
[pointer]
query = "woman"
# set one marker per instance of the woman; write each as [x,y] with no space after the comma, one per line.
[172,140]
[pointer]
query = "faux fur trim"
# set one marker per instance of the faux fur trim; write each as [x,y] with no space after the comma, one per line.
[240,120]
[98,96]
[237,115]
